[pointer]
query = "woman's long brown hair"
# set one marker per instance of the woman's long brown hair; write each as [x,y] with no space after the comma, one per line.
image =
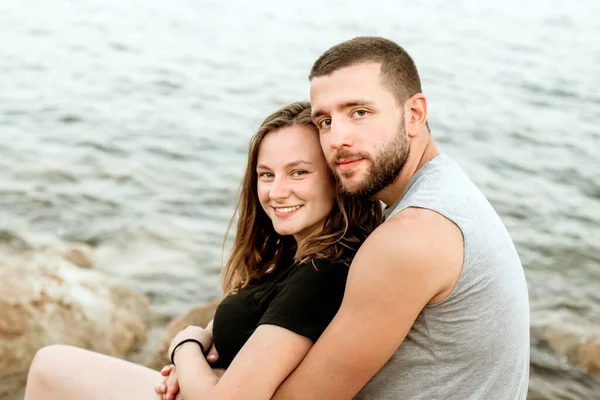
[257,247]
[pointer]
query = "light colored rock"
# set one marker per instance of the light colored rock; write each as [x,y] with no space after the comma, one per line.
[565,343]
[576,345]
[45,299]
[80,254]
[589,354]
[198,316]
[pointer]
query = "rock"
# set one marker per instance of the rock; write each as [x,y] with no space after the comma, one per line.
[565,343]
[576,345]
[589,354]
[11,242]
[46,299]
[199,316]
[80,254]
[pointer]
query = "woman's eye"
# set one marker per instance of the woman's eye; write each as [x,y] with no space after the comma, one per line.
[359,113]
[299,173]
[266,175]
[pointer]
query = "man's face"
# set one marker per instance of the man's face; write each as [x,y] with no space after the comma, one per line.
[362,128]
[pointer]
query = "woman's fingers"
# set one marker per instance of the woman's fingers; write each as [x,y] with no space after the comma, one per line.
[166,370]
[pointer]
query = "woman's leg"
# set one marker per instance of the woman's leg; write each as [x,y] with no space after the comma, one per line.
[65,372]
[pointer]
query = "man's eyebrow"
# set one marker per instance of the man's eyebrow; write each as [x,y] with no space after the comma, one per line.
[317,114]
[351,103]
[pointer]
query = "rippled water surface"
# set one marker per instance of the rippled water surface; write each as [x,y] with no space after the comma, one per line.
[125,125]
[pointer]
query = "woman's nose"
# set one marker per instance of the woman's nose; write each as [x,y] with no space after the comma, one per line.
[279,190]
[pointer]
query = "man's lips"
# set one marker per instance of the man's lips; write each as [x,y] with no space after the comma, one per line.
[348,164]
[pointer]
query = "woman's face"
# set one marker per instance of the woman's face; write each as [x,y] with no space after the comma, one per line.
[295,186]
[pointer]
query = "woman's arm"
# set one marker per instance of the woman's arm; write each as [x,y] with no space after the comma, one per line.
[302,308]
[264,362]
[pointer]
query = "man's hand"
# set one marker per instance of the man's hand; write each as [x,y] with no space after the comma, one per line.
[212,355]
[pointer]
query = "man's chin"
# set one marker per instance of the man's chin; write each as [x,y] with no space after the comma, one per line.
[351,186]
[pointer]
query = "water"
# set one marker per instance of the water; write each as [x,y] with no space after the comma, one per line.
[125,125]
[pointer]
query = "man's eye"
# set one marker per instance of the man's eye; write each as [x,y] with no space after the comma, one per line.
[359,113]
[325,123]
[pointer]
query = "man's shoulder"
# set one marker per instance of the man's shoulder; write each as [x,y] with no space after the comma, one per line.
[415,243]
[417,222]
[406,235]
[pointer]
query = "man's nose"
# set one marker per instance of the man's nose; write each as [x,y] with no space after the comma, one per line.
[340,135]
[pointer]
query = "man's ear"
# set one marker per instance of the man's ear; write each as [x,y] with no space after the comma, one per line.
[415,110]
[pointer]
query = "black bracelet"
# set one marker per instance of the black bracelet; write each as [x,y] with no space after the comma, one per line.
[182,342]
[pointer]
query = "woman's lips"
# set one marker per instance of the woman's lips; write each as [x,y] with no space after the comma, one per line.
[283,212]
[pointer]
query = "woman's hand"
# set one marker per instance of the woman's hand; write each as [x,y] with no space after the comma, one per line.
[202,335]
[169,388]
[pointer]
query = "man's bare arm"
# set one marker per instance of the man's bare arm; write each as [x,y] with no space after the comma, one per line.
[412,260]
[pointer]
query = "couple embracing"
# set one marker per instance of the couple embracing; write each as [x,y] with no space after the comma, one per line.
[366,264]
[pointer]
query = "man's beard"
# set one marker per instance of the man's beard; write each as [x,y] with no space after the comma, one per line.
[385,166]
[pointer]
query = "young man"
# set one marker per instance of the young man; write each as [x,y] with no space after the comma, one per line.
[436,304]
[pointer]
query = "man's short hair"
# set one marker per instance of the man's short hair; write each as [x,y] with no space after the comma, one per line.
[398,70]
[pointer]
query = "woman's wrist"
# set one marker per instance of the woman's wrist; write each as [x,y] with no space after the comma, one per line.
[183,343]
[192,336]
[186,350]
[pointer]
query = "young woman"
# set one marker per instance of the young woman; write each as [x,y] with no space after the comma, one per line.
[284,281]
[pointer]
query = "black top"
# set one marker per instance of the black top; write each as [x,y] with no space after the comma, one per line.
[299,298]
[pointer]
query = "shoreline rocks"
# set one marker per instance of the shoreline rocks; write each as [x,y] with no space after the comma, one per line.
[49,297]
[576,345]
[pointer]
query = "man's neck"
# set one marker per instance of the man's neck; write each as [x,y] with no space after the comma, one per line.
[416,159]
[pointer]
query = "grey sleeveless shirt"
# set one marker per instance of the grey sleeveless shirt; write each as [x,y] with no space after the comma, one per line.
[475,343]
